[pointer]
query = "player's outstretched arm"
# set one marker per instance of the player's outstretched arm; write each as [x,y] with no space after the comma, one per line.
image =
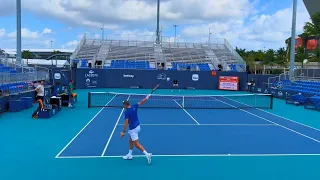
[144,100]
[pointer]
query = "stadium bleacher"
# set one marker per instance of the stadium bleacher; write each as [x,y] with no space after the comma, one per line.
[11,87]
[299,86]
[199,56]
[191,66]
[122,64]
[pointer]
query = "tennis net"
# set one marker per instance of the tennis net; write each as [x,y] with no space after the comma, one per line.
[239,101]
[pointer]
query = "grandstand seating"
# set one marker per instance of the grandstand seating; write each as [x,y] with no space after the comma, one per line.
[200,56]
[193,66]
[5,68]
[14,87]
[121,64]
[300,86]
[84,63]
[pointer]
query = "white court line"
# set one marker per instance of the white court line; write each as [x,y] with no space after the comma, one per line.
[114,128]
[273,122]
[205,125]
[276,115]
[191,155]
[84,127]
[187,113]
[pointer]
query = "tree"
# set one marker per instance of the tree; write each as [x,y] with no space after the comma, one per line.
[313,28]
[281,57]
[26,55]
[56,52]
[269,58]
[300,55]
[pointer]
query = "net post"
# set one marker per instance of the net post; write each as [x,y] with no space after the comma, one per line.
[89,99]
[271,101]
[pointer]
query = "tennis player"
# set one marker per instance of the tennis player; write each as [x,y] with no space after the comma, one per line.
[131,119]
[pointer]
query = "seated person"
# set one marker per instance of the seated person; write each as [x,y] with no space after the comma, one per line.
[175,83]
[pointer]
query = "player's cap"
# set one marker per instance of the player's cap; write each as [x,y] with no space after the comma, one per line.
[125,102]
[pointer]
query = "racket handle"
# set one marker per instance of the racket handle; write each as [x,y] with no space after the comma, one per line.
[148,96]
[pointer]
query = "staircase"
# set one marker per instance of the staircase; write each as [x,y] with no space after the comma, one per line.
[211,56]
[158,54]
[102,53]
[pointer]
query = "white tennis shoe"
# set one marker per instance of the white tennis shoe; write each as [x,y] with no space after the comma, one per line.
[149,156]
[127,157]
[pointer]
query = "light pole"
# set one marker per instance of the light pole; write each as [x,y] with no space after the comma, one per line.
[175,33]
[158,23]
[209,35]
[102,32]
[293,34]
[18,31]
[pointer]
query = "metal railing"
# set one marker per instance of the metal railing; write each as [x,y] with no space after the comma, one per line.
[306,74]
[8,78]
[82,42]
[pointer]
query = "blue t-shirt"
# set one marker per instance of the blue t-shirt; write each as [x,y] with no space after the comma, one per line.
[132,115]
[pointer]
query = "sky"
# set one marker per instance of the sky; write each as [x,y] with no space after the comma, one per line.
[60,24]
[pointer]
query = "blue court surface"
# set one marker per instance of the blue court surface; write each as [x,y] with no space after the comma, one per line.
[247,143]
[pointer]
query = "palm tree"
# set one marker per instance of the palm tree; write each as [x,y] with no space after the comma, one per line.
[281,57]
[269,58]
[313,28]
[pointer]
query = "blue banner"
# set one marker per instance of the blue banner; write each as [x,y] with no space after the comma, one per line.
[91,78]
[128,78]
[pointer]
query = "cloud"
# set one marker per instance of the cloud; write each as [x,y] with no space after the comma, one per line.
[70,44]
[244,23]
[46,31]
[25,33]
[255,32]
[125,13]
[137,34]
[2,32]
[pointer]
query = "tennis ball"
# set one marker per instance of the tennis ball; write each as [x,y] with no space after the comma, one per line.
[168,79]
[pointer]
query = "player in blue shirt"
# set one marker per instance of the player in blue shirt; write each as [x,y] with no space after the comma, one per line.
[131,119]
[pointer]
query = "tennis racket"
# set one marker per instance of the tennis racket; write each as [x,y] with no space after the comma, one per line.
[155,88]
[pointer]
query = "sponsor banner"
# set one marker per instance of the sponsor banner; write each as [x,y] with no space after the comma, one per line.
[129,78]
[195,77]
[229,83]
[57,76]
[128,75]
[90,78]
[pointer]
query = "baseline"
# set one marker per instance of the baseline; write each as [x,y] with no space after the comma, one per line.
[192,155]
[205,124]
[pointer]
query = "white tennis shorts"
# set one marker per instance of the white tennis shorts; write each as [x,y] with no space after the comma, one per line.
[134,133]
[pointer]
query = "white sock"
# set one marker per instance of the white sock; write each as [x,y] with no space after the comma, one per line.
[130,152]
[145,152]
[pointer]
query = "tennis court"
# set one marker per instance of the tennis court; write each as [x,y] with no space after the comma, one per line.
[196,125]
[191,143]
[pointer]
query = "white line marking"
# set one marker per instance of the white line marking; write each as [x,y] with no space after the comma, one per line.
[84,127]
[276,115]
[187,113]
[273,122]
[114,128]
[205,124]
[192,155]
